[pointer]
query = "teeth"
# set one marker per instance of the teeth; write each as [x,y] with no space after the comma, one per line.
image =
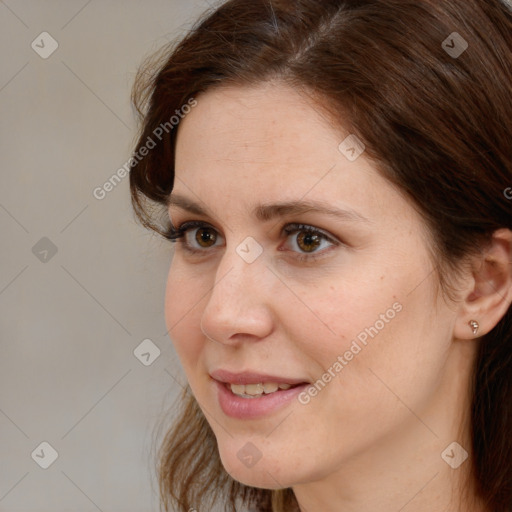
[270,387]
[253,389]
[238,389]
[257,390]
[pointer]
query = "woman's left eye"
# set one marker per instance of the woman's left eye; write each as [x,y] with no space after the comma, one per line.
[307,241]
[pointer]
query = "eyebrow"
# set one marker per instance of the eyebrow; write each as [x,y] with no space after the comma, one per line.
[268,212]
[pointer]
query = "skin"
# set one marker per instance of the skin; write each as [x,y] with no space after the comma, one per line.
[372,438]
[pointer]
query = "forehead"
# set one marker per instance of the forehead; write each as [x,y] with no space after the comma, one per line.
[244,146]
[268,123]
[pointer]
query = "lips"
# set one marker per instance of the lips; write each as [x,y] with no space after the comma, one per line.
[250,395]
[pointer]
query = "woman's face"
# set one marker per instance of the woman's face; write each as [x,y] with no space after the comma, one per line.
[305,269]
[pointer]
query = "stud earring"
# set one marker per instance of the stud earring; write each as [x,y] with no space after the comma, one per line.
[474,326]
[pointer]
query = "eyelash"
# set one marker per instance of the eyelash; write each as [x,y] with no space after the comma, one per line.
[178,235]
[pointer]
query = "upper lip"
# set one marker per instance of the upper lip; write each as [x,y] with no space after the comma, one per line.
[251,377]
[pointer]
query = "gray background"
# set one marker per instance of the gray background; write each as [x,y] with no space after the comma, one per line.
[70,321]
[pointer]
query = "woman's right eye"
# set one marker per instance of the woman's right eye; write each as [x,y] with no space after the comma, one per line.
[195,236]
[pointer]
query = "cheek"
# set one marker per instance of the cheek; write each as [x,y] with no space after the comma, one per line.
[366,323]
[386,338]
[342,310]
[182,315]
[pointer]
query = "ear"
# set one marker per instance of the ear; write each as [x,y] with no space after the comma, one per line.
[489,292]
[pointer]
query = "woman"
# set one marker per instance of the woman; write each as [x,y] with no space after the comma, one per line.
[335,175]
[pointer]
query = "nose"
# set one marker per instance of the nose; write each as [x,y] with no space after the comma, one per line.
[239,304]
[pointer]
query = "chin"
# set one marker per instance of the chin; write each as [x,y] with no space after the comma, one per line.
[262,474]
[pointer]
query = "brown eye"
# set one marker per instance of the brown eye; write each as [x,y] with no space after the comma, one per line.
[205,237]
[308,242]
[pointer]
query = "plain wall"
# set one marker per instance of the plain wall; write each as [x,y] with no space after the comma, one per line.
[70,321]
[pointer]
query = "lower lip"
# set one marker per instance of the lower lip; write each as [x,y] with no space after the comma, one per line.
[251,408]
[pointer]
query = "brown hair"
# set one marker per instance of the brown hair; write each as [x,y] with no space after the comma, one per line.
[438,125]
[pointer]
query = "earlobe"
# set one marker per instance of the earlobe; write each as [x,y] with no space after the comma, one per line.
[490,295]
